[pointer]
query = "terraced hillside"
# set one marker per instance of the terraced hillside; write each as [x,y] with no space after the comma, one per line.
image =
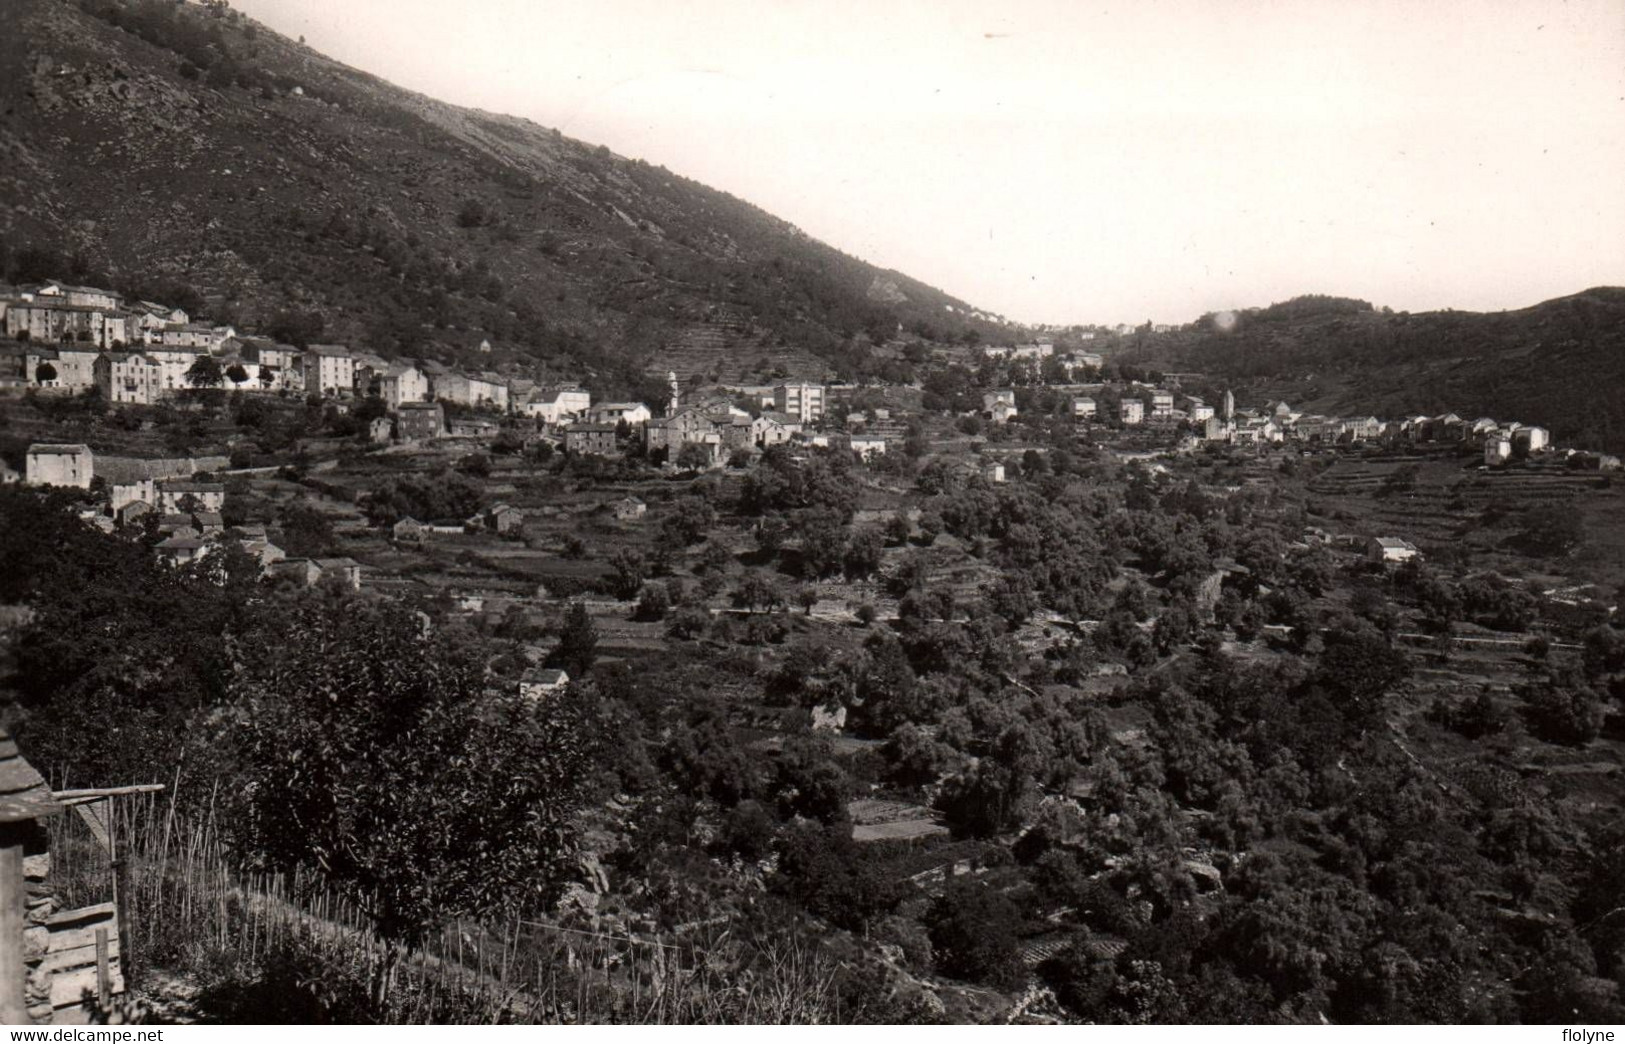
[1449,506]
[730,348]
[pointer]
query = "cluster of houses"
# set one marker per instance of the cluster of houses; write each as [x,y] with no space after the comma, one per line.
[71,339]
[185,500]
[786,413]
[1500,441]
[74,338]
[1038,351]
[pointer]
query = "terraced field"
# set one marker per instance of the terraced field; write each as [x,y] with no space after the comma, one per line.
[1450,501]
[730,349]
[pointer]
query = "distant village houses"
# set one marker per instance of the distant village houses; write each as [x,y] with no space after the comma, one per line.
[803,401]
[595,439]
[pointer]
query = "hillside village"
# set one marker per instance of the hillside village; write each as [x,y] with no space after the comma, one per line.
[808,572]
[453,574]
[76,340]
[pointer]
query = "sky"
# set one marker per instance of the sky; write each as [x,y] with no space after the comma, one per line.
[1091,162]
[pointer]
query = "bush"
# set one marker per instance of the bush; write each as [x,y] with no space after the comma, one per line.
[688,624]
[1563,710]
[973,933]
[653,602]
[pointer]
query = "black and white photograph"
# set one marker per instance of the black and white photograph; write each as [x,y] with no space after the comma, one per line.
[932,513]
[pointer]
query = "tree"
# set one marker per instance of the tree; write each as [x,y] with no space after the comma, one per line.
[973,933]
[823,542]
[45,373]
[807,597]
[654,602]
[692,456]
[306,531]
[1564,710]
[578,642]
[374,756]
[1551,531]
[627,581]
[690,519]
[237,374]
[863,554]
[205,373]
[757,590]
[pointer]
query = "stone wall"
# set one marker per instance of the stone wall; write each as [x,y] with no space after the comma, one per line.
[39,904]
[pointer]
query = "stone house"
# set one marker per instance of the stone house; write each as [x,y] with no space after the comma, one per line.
[57,464]
[75,366]
[1083,407]
[539,683]
[174,361]
[1497,449]
[185,335]
[629,508]
[53,322]
[485,389]
[773,428]
[1132,411]
[81,296]
[182,495]
[301,571]
[277,367]
[1528,439]
[1390,551]
[344,571]
[556,405]
[182,549]
[409,530]
[329,369]
[686,425]
[138,491]
[867,448]
[594,439]
[633,413]
[129,377]
[416,421]
[504,519]
[402,382]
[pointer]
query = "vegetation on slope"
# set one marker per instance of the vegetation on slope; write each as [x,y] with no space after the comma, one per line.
[152,142]
[1559,364]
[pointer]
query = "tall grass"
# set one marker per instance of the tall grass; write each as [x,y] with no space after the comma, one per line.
[244,947]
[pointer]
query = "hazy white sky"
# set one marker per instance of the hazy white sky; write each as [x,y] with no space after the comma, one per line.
[1076,161]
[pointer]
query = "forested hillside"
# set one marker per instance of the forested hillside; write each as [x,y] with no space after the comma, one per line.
[1560,364]
[152,145]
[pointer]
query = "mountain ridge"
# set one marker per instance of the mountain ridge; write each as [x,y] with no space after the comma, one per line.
[190,144]
[1559,363]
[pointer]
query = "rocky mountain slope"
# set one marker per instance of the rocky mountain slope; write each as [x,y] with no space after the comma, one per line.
[157,144]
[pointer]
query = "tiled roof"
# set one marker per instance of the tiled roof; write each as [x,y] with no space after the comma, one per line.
[24,794]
